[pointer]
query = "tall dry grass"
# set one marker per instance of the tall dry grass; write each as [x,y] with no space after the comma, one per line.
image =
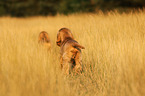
[113,61]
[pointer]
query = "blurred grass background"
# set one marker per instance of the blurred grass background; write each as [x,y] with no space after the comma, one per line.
[25,8]
[113,58]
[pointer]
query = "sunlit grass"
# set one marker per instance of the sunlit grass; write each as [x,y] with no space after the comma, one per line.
[113,58]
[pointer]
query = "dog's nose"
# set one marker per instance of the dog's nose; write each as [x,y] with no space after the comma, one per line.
[58,43]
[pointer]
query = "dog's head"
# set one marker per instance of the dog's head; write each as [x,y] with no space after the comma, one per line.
[63,34]
[44,37]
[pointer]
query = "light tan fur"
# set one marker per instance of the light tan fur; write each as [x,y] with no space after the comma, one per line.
[44,40]
[70,51]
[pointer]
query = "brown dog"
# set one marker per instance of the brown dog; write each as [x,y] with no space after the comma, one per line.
[44,39]
[70,51]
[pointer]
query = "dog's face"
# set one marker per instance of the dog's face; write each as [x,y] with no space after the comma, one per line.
[62,35]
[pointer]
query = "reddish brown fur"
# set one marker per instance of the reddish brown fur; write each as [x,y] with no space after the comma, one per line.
[44,39]
[62,35]
[70,51]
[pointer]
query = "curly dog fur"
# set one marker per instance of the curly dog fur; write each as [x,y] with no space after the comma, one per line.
[44,40]
[70,51]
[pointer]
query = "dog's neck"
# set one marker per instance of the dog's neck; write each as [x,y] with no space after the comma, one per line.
[65,40]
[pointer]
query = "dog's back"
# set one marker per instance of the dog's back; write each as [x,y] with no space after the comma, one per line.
[70,44]
[71,53]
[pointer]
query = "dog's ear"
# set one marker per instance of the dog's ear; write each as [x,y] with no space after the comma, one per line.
[40,37]
[46,36]
[78,45]
[58,42]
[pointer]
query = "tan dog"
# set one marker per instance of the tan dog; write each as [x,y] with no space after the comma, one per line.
[44,39]
[70,51]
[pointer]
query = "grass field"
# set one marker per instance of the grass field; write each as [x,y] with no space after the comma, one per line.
[113,58]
